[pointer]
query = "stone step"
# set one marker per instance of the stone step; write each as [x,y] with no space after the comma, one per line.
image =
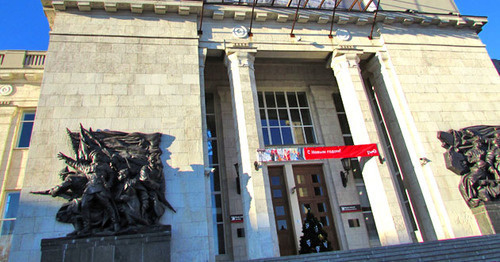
[480,248]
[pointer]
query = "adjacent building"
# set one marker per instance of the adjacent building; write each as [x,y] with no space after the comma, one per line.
[224,79]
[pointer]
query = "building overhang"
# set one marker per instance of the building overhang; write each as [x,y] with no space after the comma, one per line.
[241,12]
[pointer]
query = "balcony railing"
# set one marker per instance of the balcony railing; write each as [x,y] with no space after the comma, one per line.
[17,59]
[34,60]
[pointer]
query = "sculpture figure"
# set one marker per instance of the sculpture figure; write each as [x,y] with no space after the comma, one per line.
[116,185]
[474,154]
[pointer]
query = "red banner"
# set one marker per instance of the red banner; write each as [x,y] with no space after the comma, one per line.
[311,153]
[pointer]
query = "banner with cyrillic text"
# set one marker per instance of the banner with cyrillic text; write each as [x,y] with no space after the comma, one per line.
[315,153]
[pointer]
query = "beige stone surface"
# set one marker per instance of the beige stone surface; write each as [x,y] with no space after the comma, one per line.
[91,79]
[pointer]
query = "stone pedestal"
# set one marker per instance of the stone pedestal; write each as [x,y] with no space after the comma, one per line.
[488,218]
[151,246]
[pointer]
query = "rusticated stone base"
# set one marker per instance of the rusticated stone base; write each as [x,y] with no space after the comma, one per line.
[488,218]
[153,245]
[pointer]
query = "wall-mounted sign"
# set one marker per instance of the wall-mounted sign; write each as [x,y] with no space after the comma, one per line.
[236,218]
[315,153]
[350,208]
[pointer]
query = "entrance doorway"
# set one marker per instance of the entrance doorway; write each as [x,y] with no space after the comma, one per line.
[312,193]
[282,215]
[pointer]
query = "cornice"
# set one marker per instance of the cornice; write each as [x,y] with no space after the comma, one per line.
[263,14]
[21,75]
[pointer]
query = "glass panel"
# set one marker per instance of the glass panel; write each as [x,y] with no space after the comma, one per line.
[372,229]
[348,141]
[344,126]
[211,132]
[220,236]
[309,135]
[216,180]
[302,99]
[301,179]
[25,135]
[282,224]
[276,136]
[299,135]
[280,99]
[277,193]
[7,227]
[261,101]
[209,102]
[318,191]
[325,221]
[315,178]
[321,207]
[212,152]
[265,134]
[287,136]
[270,99]
[338,103]
[284,121]
[275,181]
[306,117]
[295,116]
[11,205]
[273,117]
[356,169]
[305,207]
[292,100]
[303,192]
[280,211]
[263,120]
[29,116]
[218,207]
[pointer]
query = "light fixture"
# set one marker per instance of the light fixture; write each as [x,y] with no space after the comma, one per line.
[346,164]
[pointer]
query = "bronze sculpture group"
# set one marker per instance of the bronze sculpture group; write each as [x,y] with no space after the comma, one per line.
[115,183]
[474,154]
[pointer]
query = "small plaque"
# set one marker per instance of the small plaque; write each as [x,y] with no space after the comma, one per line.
[350,208]
[236,218]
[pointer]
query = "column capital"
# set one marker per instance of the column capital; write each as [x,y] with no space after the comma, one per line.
[351,59]
[202,55]
[240,58]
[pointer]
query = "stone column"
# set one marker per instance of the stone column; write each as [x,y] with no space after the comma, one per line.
[418,179]
[258,215]
[348,75]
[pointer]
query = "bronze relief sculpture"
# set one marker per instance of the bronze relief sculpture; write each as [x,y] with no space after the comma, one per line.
[474,153]
[113,185]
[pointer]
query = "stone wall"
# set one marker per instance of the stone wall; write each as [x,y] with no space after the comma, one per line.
[447,81]
[127,73]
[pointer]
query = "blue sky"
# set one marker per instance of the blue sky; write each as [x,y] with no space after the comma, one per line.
[24,26]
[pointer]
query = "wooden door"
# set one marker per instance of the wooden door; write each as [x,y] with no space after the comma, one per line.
[282,215]
[312,193]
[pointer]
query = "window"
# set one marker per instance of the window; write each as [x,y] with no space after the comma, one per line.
[25,130]
[286,118]
[10,213]
[215,181]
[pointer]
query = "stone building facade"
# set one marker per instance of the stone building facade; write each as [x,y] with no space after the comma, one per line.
[221,80]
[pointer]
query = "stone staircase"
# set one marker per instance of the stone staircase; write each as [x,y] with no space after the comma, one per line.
[480,248]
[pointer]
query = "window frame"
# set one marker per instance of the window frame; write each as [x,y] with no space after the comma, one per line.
[263,107]
[5,206]
[21,127]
